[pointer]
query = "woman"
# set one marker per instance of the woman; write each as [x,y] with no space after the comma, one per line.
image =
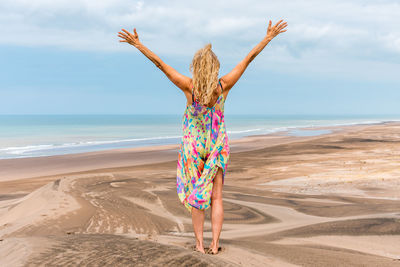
[204,150]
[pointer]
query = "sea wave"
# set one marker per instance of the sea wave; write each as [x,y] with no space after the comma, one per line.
[31,149]
[93,145]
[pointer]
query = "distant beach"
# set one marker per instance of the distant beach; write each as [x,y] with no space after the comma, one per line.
[45,135]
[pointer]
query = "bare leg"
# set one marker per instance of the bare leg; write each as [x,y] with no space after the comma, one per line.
[198,223]
[217,210]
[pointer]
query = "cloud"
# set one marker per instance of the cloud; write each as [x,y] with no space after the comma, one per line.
[335,30]
[392,41]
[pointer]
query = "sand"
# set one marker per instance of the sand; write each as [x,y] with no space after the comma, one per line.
[328,200]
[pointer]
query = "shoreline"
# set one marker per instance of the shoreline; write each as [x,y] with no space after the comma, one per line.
[60,147]
[41,166]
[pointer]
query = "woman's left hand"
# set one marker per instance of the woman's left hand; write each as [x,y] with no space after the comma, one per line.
[273,31]
[129,38]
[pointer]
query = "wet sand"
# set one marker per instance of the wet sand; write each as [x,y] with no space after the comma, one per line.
[328,200]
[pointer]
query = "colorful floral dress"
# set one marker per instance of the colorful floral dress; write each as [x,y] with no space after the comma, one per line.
[203,149]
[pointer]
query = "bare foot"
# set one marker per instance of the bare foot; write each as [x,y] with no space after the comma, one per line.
[199,249]
[214,249]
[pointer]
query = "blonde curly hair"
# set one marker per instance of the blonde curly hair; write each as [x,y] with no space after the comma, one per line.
[205,70]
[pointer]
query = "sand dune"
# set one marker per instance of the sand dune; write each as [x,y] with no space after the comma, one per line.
[49,201]
[328,200]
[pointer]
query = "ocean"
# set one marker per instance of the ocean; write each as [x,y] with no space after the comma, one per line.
[45,135]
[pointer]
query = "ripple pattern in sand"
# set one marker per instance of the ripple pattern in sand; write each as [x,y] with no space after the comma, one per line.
[117,250]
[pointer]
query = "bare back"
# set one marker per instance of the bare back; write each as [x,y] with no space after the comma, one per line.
[189,95]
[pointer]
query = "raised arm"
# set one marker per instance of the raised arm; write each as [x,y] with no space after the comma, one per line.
[180,80]
[232,77]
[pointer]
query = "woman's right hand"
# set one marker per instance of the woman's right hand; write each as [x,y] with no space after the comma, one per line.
[132,39]
[275,30]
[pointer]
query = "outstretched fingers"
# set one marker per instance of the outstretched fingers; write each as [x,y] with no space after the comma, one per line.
[128,37]
[278,23]
[124,39]
[126,32]
[122,36]
[282,26]
[278,28]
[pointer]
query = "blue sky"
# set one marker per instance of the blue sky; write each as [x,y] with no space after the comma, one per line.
[63,57]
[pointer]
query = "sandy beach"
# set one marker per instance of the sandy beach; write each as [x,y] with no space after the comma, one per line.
[327,200]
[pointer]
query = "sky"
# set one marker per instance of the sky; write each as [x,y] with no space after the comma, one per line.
[64,56]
